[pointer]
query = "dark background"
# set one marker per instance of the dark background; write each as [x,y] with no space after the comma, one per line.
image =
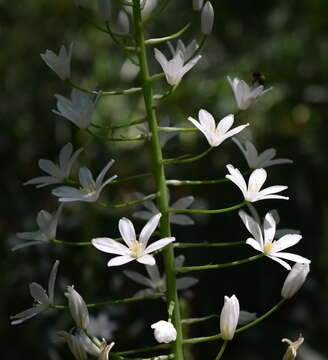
[285,40]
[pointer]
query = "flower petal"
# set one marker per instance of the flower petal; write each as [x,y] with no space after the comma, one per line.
[292,257]
[257,179]
[110,246]
[38,293]
[225,124]
[285,242]
[254,244]
[206,119]
[52,280]
[127,231]
[120,260]
[147,260]
[269,228]
[237,178]
[138,278]
[252,226]
[148,229]
[281,262]
[159,244]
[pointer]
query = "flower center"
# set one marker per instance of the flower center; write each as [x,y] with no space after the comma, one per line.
[267,248]
[136,250]
[92,188]
[253,187]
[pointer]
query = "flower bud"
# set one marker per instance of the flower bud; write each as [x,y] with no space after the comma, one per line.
[229,317]
[197,4]
[207,18]
[78,308]
[164,331]
[294,280]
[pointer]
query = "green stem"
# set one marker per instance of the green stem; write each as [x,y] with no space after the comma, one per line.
[195,182]
[159,175]
[191,159]
[141,350]
[197,245]
[197,320]
[167,38]
[106,93]
[122,139]
[176,129]
[129,203]
[131,178]
[203,211]
[223,347]
[111,302]
[218,266]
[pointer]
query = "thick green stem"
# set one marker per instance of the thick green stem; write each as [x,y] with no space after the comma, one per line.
[159,175]
[223,347]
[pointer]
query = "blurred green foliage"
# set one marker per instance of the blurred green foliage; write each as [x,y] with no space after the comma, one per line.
[288,42]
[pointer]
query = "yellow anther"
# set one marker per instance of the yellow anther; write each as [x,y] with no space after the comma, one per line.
[268,248]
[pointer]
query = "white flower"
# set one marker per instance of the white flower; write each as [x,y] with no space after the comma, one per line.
[294,280]
[207,18]
[164,331]
[47,229]
[186,51]
[291,352]
[156,283]
[215,134]
[58,173]
[246,95]
[80,344]
[179,219]
[229,317]
[256,160]
[40,296]
[90,189]
[197,4]
[78,308]
[253,191]
[61,63]
[75,344]
[78,109]
[175,68]
[263,240]
[135,250]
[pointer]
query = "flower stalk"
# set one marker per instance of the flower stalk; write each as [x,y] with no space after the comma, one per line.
[159,174]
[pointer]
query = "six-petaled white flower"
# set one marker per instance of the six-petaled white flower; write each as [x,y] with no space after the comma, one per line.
[253,191]
[78,308]
[164,331]
[61,63]
[229,317]
[135,250]
[215,134]
[90,189]
[263,240]
[175,68]
[156,283]
[246,95]
[179,219]
[58,173]
[47,229]
[78,109]
[40,296]
[256,160]
[294,280]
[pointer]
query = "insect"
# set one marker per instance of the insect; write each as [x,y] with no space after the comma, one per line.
[258,78]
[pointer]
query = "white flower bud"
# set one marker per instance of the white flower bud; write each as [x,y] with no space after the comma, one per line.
[229,317]
[197,4]
[164,331]
[294,280]
[78,308]
[207,18]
